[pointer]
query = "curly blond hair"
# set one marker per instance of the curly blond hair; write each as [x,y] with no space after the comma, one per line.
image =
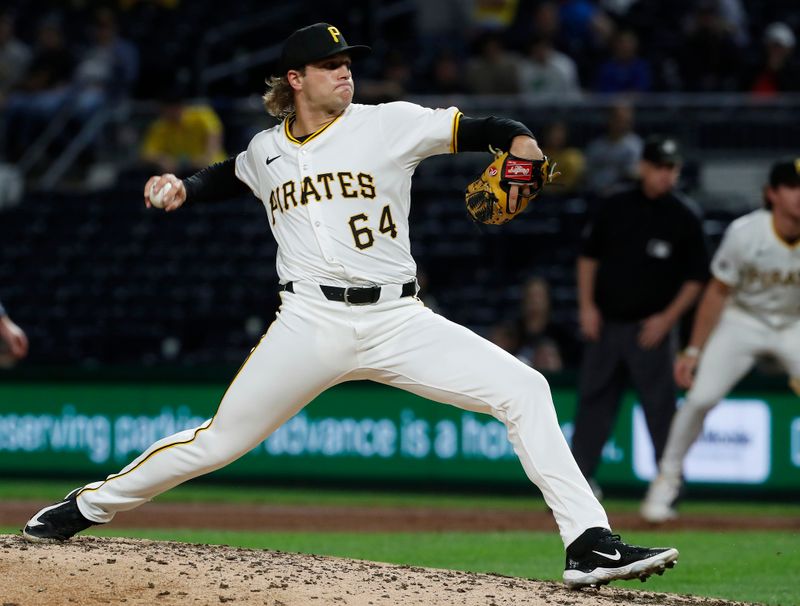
[279,98]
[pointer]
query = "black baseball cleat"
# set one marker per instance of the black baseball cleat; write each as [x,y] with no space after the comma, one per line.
[57,522]
[608,559]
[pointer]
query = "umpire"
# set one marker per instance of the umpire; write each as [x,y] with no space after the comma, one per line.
[642,265]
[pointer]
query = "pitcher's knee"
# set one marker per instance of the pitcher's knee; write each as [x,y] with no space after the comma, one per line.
[217,450]
[536,384]
[528,389]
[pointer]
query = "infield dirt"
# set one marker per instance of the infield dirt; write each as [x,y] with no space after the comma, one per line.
[91,570]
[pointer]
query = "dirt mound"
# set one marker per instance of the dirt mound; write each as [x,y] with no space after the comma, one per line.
[89,570]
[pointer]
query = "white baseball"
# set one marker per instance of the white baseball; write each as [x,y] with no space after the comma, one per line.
[157,196]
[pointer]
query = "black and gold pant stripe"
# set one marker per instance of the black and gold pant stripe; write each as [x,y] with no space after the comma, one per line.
[189,441]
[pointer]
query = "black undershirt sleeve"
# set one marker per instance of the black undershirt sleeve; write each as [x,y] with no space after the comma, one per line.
[477,134]
[219,181]
[214,183]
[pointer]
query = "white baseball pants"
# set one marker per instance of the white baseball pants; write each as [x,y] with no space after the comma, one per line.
[315,344]
[730,353]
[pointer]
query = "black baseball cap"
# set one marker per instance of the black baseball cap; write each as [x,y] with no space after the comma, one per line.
[662,150]
[315,42]
[785,172]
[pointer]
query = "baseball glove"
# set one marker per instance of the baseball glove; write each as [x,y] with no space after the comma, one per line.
[487,196]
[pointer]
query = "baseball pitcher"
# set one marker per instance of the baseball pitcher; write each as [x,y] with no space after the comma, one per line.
[335,178]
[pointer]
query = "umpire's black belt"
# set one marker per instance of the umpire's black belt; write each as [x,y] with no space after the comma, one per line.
[356,295]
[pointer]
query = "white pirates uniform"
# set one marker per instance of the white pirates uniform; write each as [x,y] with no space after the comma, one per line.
[762,316]
[338,205]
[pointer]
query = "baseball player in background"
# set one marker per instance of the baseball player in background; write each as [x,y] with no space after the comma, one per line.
[751,307]
[335,180]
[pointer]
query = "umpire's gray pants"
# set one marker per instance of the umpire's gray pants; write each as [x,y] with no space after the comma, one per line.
[608,364]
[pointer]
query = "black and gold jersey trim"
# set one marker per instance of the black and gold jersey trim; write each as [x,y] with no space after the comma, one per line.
[290,120]
[454,138]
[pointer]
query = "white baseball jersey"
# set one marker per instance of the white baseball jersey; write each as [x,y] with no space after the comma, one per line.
[762,269]
[315,195]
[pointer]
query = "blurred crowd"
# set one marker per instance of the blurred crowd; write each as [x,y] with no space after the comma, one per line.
[568,47]
[72,58]
[63,61]
[56,74]
[542,47]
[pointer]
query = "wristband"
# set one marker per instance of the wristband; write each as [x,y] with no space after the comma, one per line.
[691,351]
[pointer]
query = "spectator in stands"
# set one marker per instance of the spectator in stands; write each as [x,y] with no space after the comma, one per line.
[506,335]
[439,28]
[735,16]
[619,9]
[777,71]
[109,67]
[614,157]
[43,90]
[570,161]
[445,75]
[393,84]
[52,65]
[15,56]
[495,15]
[184,138]
[547,356]
[535,20]
[494,71]
[544,71]
[710,58]
[531,337]
[625,71]
[577,18]
[540,338]
[12,336]
[547,20]
[584,26]
[642,266]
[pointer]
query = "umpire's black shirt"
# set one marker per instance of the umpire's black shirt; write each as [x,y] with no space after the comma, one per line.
[646,249]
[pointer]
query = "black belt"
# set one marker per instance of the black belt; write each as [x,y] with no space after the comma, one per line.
[356,295]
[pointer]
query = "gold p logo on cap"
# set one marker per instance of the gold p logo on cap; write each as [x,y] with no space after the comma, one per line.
[334,33]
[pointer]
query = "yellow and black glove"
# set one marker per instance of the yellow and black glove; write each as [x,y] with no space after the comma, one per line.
[487,196]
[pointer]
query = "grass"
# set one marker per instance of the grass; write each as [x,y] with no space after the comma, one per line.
[198,492]
[746,566]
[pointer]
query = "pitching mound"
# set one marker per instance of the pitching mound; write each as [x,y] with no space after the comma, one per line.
[91,570]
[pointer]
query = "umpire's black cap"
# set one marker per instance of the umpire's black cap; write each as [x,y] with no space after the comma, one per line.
[785,172]
[315,42]
[661,150]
